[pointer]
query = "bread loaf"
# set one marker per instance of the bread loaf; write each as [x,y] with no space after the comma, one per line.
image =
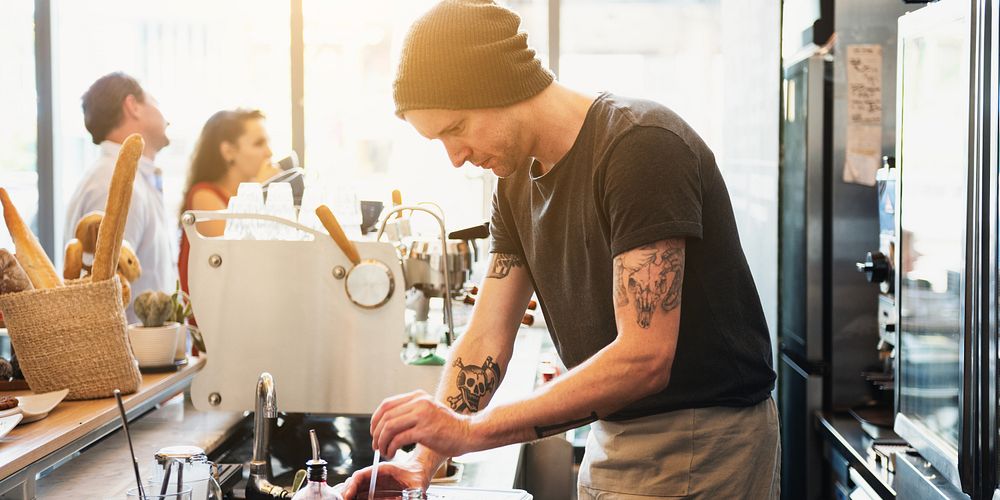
[109,236]
[73,262]
[12,276]
[30,254]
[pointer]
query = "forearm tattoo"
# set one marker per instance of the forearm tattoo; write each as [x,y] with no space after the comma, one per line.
[475,384]
[650,277]
[502,264]
[543,431]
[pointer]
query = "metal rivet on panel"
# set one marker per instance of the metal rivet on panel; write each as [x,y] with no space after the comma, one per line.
[187,219]
[215,260]
[214,399]
[339,272]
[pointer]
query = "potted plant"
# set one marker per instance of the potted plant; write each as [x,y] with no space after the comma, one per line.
[180,304]
[154,340]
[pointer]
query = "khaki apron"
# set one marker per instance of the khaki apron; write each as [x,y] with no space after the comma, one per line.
[701,453]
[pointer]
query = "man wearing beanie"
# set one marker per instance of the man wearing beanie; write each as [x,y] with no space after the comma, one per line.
[614,212]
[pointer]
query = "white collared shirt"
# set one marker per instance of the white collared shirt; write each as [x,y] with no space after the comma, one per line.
[147,229]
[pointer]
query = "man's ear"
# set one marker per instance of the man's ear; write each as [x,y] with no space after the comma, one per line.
[131,107]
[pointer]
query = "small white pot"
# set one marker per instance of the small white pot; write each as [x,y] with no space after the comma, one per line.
[182,337]
[154,346]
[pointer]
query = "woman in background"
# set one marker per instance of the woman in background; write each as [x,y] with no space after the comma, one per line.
[233,148]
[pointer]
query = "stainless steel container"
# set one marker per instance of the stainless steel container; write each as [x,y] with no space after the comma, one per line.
[424,266]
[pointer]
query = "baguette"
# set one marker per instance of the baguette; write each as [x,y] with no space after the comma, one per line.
[30,254]
[73,262]
[12,276]
[109,236]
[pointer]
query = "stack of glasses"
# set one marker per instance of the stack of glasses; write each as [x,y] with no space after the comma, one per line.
[279,202]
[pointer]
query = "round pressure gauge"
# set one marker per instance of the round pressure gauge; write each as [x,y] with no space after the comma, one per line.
[370,284]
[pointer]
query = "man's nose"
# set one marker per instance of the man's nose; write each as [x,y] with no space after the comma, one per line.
[457,154]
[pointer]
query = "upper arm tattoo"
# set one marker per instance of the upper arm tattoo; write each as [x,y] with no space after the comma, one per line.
[476,385]
[650,277]
[502,264]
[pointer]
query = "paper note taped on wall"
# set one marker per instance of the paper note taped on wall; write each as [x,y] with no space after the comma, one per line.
[864,114]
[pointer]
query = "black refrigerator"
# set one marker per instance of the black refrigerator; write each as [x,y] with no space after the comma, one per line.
[804,263]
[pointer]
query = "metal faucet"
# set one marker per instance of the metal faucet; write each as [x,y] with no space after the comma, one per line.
[265,411]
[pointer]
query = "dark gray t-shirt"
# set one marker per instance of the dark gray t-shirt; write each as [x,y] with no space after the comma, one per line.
[637,174]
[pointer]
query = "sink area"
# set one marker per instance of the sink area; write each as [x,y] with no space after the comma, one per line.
[344,441]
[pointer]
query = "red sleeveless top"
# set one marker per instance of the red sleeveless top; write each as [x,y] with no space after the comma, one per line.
[182,259]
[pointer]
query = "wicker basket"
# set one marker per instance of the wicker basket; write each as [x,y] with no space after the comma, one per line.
[73,337]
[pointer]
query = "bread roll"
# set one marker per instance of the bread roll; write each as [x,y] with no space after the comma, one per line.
[128,263]
[126,291]
[12,276]
[109,236]
[30,254]
[86,230]
[73,263]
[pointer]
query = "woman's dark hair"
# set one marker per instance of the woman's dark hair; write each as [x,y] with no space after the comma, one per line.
[102,103]
[207,163]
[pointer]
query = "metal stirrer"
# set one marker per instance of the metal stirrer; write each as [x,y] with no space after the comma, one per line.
[166,478]
[135,463]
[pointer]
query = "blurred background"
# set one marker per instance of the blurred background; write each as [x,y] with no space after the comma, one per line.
[322,70]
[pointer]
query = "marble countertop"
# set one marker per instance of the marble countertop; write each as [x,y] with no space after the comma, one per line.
[105,469]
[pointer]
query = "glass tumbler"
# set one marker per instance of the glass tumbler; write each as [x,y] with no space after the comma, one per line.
[152,492]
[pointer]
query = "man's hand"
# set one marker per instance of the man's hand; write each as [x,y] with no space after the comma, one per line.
[392,476]
[417,418]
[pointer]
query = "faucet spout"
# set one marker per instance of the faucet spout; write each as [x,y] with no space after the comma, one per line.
[265,411]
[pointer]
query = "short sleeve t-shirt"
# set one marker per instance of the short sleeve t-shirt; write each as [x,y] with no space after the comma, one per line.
[638,174]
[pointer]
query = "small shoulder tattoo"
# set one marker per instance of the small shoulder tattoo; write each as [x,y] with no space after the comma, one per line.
[502,264]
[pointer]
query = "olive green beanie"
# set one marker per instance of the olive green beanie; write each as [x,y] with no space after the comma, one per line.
[467,54]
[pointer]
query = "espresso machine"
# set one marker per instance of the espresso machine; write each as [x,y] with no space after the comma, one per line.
[433,267]
[325,318]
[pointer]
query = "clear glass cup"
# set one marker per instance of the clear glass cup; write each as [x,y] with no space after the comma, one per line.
[152,492]
[311,199]
[252,191]
[234,227]
[251,201]
[280,203]
[198,476]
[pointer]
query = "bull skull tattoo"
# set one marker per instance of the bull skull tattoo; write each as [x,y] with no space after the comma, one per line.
[474,382]
[652,277]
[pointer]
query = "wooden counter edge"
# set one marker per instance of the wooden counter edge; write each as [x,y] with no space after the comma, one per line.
[73,420]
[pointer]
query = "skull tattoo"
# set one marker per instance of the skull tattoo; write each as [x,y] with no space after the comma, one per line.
[652,278]
[474,382]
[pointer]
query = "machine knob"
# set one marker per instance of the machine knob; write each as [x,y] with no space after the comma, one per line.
[875,267]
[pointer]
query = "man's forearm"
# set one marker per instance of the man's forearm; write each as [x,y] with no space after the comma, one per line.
[476,365]
[608,381]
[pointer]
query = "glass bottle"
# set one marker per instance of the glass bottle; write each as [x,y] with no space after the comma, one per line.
[316,488]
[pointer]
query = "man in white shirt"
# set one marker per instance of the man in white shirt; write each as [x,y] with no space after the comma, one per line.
[114,107]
